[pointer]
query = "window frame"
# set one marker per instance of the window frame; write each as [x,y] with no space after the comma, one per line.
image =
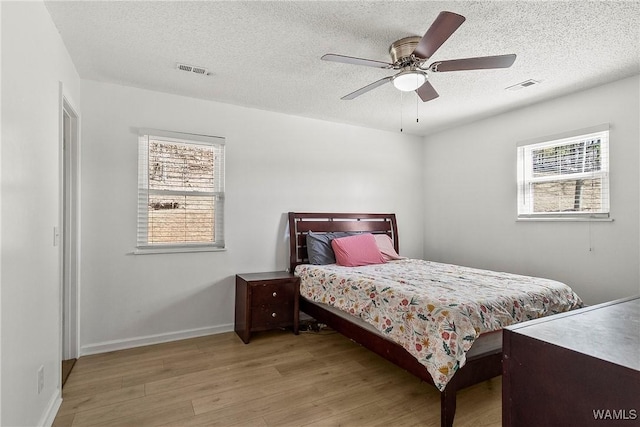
[525,175]
[144,192]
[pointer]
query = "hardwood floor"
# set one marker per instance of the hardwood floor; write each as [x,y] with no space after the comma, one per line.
[279,379]
[67,366]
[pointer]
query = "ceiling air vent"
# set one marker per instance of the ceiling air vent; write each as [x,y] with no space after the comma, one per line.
[523,84]
[192,69]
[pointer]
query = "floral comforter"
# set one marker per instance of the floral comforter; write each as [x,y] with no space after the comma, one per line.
[435,311]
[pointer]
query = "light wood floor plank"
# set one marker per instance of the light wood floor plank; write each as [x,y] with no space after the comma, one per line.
[115,370]
[63,420]
[170,413]
[218,379]
[254,407]
[84,403]
[137,354]
[74,388]
[279,379]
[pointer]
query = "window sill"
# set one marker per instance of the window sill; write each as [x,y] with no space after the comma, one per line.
[557,219]
[152,251]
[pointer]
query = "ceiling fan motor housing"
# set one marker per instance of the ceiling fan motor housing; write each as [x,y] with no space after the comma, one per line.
[401,51]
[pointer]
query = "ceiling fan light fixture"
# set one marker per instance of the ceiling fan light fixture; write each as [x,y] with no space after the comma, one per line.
[409,80]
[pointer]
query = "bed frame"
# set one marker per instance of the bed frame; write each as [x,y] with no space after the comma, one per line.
[484,360]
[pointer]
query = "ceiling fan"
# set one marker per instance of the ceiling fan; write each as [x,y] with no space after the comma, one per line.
[411,53]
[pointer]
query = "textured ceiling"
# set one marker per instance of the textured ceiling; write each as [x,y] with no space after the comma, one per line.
[266,55]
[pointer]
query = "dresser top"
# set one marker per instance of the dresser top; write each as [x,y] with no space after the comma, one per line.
[609,331]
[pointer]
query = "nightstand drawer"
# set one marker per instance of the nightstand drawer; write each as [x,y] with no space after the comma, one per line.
[272,293]
[267,316]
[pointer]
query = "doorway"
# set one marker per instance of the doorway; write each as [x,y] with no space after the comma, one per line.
[70,241]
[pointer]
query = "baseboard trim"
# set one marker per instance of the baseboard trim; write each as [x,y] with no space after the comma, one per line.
[114,345]
[49,416]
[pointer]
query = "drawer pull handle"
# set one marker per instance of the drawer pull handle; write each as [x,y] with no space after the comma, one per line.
[275,294]
[273,315]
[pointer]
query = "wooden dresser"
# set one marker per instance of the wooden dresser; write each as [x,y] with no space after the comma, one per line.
[580,368]
[266,301]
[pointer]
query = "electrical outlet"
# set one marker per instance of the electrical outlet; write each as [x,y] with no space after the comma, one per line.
[40,378]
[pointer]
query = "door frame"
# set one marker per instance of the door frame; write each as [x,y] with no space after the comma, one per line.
[69,227]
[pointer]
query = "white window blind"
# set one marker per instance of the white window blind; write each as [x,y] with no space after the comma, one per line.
[180,191]
[565,176]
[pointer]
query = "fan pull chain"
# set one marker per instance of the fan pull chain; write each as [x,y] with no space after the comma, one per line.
[401,111]
[417,106]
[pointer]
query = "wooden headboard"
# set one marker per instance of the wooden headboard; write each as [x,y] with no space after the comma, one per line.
[301,223]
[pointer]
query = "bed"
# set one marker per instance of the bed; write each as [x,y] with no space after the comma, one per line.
[330,294]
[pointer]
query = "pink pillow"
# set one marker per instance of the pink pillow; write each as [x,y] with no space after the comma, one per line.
[357,250]
[385,245]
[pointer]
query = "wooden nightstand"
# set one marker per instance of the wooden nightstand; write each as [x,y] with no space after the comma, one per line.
[266,301]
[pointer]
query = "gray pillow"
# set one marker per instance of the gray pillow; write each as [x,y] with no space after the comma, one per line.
[319,247]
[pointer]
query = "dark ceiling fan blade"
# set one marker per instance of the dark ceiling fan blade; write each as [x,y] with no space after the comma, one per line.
[445,24]
[426,92]
[480,63]
[356,61]
[367,88]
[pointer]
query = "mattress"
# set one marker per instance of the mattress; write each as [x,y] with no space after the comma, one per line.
[435,311]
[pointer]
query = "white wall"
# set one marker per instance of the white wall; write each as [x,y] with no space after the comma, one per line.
[274,164]
[470,205]
[0,223]
[34,61]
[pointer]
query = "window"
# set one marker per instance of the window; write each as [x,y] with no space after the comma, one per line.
[565,177]
[180,192]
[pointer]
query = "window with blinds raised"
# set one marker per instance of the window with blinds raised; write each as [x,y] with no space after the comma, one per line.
[180,191]
[565,177]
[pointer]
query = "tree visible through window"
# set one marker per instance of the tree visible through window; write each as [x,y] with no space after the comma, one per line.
[181,190]
[565,177]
